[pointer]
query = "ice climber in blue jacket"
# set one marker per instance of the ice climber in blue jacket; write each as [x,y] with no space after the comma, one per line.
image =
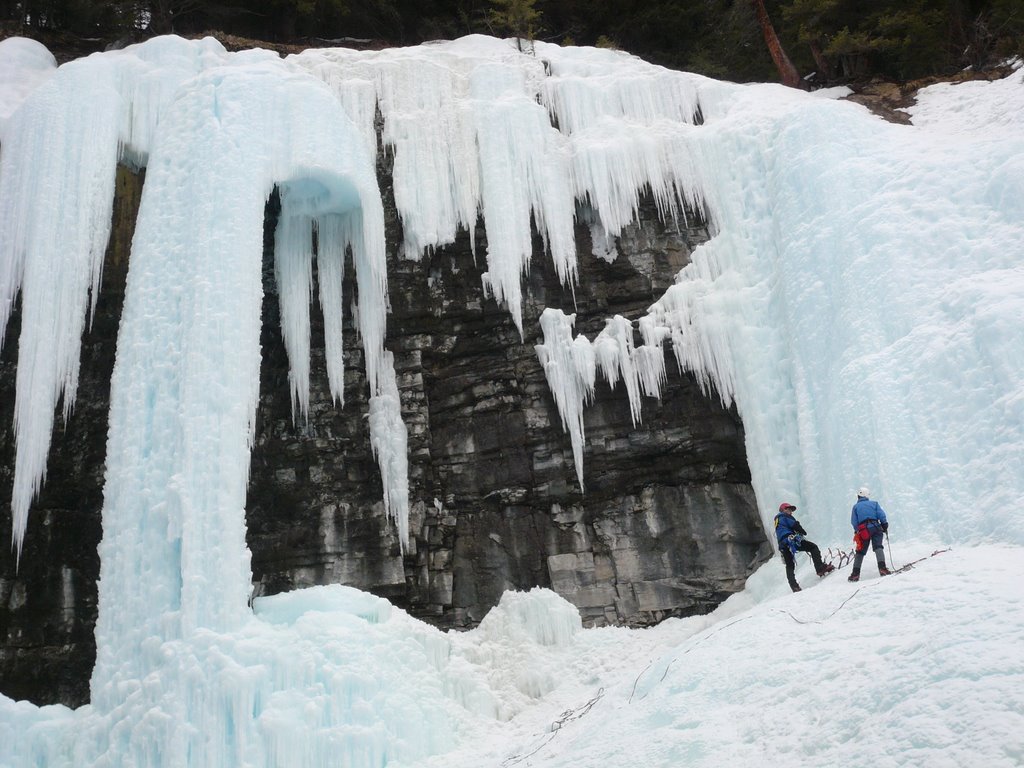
[869,525]
[790,535]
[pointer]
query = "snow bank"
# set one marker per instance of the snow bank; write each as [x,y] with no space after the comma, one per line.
[838,675]
[321,676]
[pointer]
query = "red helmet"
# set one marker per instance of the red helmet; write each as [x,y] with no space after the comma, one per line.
[785,506]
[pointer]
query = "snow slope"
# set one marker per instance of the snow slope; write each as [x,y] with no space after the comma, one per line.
[919,669]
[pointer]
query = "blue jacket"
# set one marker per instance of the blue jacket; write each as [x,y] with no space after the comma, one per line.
[867,511]
[786,525]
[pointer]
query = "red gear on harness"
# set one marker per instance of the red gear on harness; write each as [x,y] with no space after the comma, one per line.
[862,535]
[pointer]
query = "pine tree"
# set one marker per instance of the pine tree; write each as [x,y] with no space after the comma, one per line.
[516,16]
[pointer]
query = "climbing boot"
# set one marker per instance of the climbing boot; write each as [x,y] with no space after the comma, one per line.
[883,571]
[826,569]
[855,576]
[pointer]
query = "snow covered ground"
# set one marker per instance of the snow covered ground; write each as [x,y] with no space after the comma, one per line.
[862,303]
[919,669]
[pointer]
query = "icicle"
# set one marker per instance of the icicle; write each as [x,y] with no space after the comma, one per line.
[372,282]
[293,270]
[650,357]
[53,233]
[428,124]
[570,368]
[602,245]
[702,348]
[389,441]
[617,359]
[330,267]
[468,135]
[388,435]
[627,122]
[587,85]
[524,167]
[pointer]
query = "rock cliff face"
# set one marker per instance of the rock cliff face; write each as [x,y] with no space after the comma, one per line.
[668,525]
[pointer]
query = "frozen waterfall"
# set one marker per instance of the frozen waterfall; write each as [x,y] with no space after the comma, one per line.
[860,303]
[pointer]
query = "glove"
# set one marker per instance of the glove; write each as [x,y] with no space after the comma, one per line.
[885,527]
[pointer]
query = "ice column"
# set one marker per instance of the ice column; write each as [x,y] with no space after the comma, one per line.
[186,381]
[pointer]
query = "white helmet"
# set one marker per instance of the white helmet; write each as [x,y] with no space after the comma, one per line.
[863,492]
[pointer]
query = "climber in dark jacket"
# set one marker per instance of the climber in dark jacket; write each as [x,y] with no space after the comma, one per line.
[790,535]
[869,525]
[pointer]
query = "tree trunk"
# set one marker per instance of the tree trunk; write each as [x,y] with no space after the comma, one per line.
[787,72]
[824,67]
[161,20]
